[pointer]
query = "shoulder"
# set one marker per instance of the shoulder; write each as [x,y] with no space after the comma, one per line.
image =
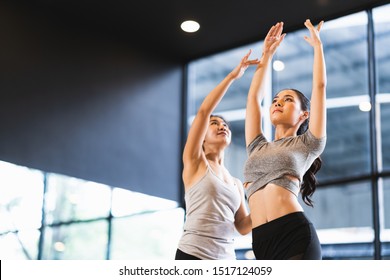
[259,140]
[310,141]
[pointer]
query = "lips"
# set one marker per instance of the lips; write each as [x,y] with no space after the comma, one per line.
[277,110]
[222,133]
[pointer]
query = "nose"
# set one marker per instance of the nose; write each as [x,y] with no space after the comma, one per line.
[222,127]
[278,104]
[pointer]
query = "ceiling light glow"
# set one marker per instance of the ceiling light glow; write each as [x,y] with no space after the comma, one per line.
[190,26]
[365,106]
[278,65]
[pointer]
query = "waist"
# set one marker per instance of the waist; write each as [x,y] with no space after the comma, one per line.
[279,224]
[272,202]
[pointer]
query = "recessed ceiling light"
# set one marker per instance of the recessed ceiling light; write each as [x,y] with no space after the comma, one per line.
[190,26]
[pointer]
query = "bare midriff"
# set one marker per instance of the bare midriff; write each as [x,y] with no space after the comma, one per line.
[270,203]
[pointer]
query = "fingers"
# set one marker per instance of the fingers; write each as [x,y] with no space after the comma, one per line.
[310,26]
[248,54]
[245,58]
[246,62]
[275,30]
[320,25]
[252,62]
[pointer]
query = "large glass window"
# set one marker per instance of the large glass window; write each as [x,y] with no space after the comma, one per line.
[21,197]
[382,55]
[57,217]
[70,199]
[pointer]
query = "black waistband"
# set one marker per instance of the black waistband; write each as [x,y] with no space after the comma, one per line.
[268,229]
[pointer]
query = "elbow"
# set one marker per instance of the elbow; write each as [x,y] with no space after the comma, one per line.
[244,232]
[244,226]
[321,85]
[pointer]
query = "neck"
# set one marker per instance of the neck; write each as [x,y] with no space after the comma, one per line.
[283,132]
[215,156]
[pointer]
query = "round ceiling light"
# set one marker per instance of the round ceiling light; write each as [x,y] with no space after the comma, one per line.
[190,26]
[278,65]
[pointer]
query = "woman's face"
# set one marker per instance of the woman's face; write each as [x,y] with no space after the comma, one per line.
[218,132]
[286,109]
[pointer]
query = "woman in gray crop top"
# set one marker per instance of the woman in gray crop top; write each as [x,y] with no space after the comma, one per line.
[215,201]
[277,171]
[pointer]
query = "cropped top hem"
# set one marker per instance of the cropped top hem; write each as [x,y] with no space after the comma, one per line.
[284,182]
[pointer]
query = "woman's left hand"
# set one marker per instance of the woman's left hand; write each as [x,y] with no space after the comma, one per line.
[239,71]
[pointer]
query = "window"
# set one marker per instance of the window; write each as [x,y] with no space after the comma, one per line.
[57,217]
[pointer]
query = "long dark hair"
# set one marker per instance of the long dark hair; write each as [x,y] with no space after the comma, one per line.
[309,183]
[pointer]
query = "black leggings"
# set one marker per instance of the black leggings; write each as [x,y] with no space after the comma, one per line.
[290,237]
[180,255]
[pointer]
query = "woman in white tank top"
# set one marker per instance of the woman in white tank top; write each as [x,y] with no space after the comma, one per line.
[215,201]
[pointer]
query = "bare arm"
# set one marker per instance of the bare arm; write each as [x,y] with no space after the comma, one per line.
[256,90]
[243,221]
[193,152]
[317,122]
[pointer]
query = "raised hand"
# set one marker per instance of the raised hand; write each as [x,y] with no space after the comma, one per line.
[314,39]
[273,39]
[243,65]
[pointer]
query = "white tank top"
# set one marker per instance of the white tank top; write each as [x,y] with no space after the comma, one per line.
[211,205]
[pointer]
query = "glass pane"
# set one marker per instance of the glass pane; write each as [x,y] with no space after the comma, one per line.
[385,234]
[347,151]
[19,246]
[207,73]
[69,199]
[345,46]
[147,237]
[235,154]
[78,241]
[125,202]
[342,213]
[382,55]
[385,231]
[384,136]
[21,196]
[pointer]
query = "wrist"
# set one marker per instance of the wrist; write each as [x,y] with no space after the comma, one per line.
[267,55]
[231,76]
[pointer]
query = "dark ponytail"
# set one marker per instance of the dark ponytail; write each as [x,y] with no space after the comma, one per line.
[309,183]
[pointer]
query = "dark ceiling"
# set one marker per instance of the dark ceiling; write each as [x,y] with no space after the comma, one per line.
[154,25]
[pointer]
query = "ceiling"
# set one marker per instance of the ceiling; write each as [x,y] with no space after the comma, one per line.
[154,25]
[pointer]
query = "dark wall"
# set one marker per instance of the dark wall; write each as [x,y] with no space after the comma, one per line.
[80,105]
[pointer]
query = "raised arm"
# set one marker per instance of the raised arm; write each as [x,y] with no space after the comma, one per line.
[256,90]
[317,121]
[193,152]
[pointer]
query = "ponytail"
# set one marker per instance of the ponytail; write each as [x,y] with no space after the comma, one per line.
[309,183]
